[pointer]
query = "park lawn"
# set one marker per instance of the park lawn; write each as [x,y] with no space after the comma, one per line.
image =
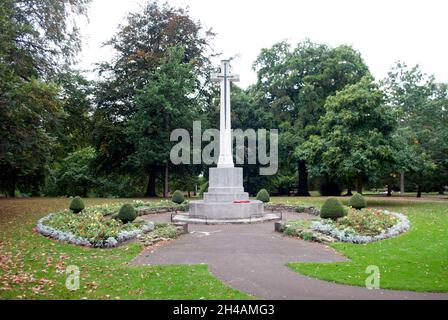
[33,267]
[415,261]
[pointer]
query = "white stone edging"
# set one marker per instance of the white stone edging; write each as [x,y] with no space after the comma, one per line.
[400,227]
[69,237]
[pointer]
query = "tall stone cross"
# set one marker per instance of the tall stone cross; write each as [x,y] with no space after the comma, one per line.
[225,136]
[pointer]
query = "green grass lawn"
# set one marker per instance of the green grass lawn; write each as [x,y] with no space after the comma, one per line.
[416,260]
[33,267]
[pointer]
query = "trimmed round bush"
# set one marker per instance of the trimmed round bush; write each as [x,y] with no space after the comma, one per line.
[127,213]
[357,202]
[263,195]
[332,209]
[77,205]
[178,197]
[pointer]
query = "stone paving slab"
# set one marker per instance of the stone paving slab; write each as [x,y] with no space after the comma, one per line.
[251,258]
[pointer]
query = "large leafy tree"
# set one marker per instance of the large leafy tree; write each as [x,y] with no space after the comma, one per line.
[36,37]
[295,84]
[166,103]
[421,104]
[141,45]
[355,140]
[29,113]
[76,124]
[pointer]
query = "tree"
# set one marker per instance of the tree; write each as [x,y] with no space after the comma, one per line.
[35,38]
[140,46]
[75,96]
[295,85]
[356,130]
[75,177]
[166,103]
[29,113]
[422,107]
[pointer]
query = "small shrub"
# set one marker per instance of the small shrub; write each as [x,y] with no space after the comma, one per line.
[203,189]
[127,213]
[290,231]
[330,189]
[332,209]
[358,202]
[307,235]
[77,205]
[263,195]
[178,197]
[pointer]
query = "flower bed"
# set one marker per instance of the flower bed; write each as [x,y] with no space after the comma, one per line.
[95,227]
[364,226]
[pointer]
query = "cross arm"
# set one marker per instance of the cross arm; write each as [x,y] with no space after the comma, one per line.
[216,77]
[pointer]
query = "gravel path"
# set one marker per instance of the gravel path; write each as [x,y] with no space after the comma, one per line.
[252,258]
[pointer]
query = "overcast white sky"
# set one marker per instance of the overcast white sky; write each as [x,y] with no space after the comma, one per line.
[384,31]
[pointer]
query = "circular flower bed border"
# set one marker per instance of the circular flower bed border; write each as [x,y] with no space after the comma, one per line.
[402,226]
[110,242]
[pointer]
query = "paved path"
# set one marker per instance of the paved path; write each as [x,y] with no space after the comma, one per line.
[252,258]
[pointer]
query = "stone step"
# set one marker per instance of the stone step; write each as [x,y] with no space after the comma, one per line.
[219,210]
[225,197]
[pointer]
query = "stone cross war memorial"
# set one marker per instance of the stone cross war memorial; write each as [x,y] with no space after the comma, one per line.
[225,201]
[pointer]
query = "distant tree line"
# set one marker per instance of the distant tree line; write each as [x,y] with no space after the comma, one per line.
[340,129]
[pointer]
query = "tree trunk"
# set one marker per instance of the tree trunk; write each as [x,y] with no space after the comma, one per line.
[151,188]
[359,183]
[389,190]
[442,190]
[166,191]
[402,183]
[349,190]
[303,190]
[419,191]
[12,187]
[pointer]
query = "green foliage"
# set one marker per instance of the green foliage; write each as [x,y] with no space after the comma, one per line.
[74,176]
[151,89]
[127,213]
[330,188]
[332,209]
[204,188]
[38,35]
[357,202]
[30,116]
[420,139]
[90,225]
[178,197]
[263,195]
[77,205]
[166,231]
[369,222]
[36,38]
[313,72]
[356,134]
